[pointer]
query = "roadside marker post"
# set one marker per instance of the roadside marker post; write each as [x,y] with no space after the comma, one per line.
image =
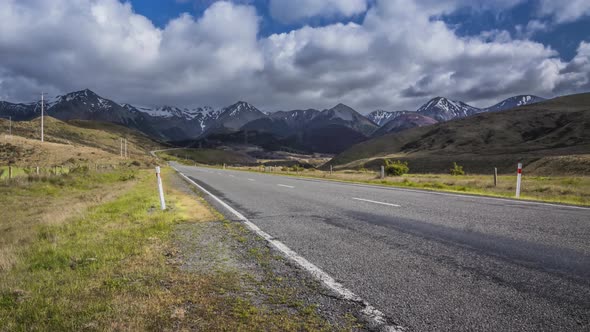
[160,188]
[518,180]
[495,176]
[331,170]
[382,172]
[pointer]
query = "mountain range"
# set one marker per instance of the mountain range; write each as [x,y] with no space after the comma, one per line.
[330,130]
[551,136]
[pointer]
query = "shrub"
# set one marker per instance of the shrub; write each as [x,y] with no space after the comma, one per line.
[79,169]
[457,170]
[396,168]
[135,163]
[297,168]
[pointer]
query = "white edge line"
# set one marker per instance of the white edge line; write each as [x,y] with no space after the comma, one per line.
[466,195]
[375,202]
[251,180]
[286,186]
[376,316]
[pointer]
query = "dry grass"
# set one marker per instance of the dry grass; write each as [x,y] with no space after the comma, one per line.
[85,141]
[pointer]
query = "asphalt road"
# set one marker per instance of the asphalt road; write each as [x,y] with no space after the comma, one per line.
[429,261]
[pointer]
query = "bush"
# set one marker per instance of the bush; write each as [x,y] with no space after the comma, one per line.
[135,163]
[79,169]
[396,168]
[457,170]
[297,168]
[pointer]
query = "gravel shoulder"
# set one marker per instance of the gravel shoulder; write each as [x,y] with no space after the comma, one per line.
[227,250]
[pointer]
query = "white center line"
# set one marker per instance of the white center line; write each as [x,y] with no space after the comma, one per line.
[284,185]
[376,202]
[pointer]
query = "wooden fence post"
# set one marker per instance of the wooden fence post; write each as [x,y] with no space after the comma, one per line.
[495,176]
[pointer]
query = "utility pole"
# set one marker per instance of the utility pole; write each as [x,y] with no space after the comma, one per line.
[121,150]
[126,149]
[42,124]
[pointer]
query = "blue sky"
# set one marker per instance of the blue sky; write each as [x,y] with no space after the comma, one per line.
[287,54]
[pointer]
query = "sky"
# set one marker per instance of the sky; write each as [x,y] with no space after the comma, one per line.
[286,54]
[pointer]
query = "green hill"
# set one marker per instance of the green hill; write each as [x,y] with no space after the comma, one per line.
[544,136]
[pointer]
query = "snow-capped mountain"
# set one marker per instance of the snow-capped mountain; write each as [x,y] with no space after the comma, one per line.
[234,117]
[344,116]
[309,128]
[514,102]
[381,117]
[443,109]
[405,121]
[18,112]
[296,116]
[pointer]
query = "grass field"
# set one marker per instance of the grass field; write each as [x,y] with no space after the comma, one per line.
[92,251]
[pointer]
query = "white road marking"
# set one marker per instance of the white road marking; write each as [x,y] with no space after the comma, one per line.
[232,176]
[251,180]
[371,313]
[376,202]
[286,186]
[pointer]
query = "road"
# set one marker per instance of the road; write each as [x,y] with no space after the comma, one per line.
[429,261]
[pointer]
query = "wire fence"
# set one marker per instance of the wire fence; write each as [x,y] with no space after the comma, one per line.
[8,173]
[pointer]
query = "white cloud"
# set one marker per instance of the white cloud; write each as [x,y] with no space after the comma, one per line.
[63,45]
[532,28]
[398,57]
[292,11]
[565,10]
[402,57]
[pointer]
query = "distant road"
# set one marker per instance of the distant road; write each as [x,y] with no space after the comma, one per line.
[429,261]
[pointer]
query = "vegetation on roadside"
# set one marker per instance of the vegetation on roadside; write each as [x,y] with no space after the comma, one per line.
[457,170]
[396,168]
[92,251]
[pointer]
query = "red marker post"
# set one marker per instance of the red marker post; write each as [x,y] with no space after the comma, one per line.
[518,180]
[160,188]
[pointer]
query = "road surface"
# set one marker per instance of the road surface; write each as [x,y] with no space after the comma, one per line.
[428,261]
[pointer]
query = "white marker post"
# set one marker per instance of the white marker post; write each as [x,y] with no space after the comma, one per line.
[382,175]
[518,180]
[160,188]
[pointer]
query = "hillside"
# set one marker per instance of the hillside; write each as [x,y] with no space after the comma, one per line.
[78,139]
[550,129]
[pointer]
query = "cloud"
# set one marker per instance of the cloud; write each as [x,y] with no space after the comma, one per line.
[565,11]
[290,11]
[63,45]
[400,55]
[531,29]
